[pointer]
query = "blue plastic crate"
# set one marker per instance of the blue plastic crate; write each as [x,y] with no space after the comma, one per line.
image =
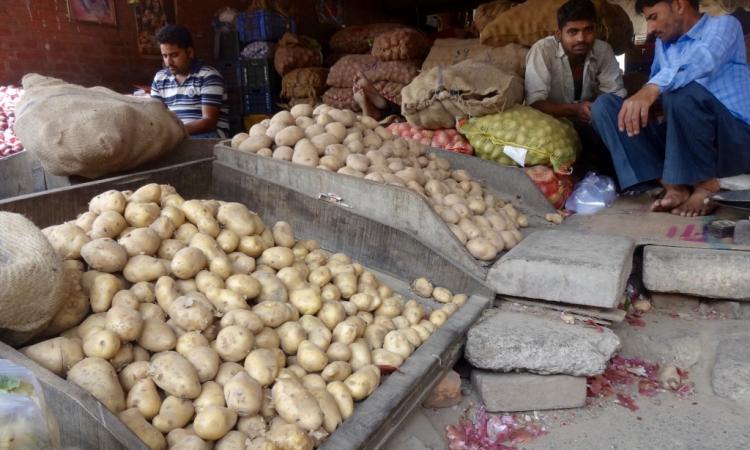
[263,25]
[258,74]
[259,101]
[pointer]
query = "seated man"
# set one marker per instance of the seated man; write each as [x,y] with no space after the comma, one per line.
[701,74]
[189,88]
[567,71]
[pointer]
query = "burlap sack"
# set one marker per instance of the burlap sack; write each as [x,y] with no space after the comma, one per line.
[295,52]
[436,98]
[342,98]
[486,13]
[357,39]
[309,82]
[91,132]
[31,276]
[342,74]
[400,45]
[530,21]
[447,52]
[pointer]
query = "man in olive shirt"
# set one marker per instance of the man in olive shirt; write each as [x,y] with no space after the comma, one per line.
[566,72]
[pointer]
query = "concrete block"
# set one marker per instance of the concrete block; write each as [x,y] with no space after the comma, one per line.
[506,341]
[510,392]
[731,374]
[681,347]
[566,266]
[721,274]
[446,393]
[675,302]
[742,232]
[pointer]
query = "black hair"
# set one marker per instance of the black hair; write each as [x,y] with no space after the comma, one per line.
[176,35]
[640,4]
[574,10]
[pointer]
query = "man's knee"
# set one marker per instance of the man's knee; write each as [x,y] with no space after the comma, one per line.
[685,98]
[606,106]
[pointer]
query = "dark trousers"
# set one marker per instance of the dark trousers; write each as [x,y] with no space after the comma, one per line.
[699,140]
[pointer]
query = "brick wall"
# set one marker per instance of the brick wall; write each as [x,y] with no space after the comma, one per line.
[38,36]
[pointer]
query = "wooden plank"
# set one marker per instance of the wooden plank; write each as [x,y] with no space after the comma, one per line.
[377,418]
[84,423]
[60,205]
[23,173]
[372,243]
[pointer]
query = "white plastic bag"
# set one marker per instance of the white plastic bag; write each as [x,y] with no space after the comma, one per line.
[592,194]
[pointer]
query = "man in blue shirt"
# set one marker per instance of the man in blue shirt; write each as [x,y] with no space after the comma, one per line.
[700,72]
[190,89]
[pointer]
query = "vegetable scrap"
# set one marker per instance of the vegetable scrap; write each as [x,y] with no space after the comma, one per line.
[624,375]
[493,432]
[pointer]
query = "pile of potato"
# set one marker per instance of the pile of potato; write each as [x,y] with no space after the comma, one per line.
[338,140]
[211,330]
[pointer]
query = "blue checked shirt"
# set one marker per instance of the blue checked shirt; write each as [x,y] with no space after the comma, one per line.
[712,54]
[203,86]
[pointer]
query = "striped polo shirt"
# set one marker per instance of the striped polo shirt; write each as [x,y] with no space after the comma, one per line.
[203,86]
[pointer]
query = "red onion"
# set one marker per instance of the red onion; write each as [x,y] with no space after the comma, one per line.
[9,143]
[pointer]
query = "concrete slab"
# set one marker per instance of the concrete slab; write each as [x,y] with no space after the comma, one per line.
[731,374]
[721,274]
[505,341]
[512,392]
[566,266]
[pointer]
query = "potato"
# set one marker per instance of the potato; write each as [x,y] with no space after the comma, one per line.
[144,397]
[306,153]
[104,255]
[189,341]
[244,318]
[243,394]
[442,295]
[126,299]
[111,200]
[132,373]
[174,413]
[361,356]
[262,365]
[339,351]
[146,432]
[307,300]
[67,239]
[254,143]
[101,343]
[226,371]
[296,405]
[233,343]
[126,323]
[214,422]
[396,342]
[57,354]
[401,322]
[289,136]
[206,362]
[277,257]
[285,436]
[375,335]
[182,439]
[234,440]
[291,335]
[438,317]
[301,110]
[86,220]
[108,224]
[382,357]
[143,268]
[187,262]
[482,249]
[267,338]
[414,314]
[343,397]
[168,248]
[206,280]
[185,233]
[201,215]
[311,357]
[237,139]
[212,394]
[98,377]
[346,332]
[157,336]
[175,375]
[273,314]
[225,300]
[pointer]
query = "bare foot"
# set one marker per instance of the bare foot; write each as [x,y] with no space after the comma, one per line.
[372,94]
[697,204]
[363,101]
[675,196]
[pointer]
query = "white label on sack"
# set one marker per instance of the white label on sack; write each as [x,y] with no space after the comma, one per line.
[517,154]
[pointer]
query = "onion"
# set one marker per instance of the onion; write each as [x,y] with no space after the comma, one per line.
[9,143]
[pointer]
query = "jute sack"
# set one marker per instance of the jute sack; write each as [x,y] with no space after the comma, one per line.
[510,58]
[400,45]
[31,276]
[309,82]
[342,98]
[342,74]
[91,132]
[358,38]
[295,52]
[487,12]
[436,98]
[530,21]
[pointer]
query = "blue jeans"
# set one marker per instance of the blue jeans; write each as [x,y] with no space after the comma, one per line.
[698,141]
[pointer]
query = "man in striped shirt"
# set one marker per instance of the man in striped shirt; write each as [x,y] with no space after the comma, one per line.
[190,89]
[700,72]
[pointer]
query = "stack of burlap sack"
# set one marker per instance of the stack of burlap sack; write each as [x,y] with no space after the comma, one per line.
[389,63]
[299,60]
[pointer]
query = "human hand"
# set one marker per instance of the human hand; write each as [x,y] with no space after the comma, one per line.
[583,112]
[634,112]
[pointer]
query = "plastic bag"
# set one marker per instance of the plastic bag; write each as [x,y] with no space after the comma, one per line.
[592,194]
[524,136]
[25,422]
[259,50]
